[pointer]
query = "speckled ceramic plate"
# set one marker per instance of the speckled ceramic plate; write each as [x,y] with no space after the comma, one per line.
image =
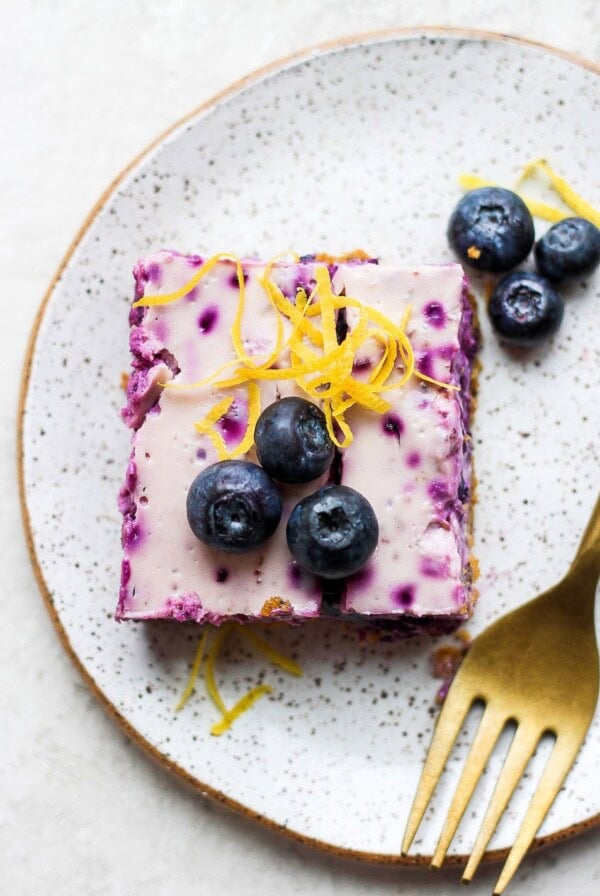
[359,144]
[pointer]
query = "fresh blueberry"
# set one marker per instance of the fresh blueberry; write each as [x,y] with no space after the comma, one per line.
[525,308]
[292,442]
[233,506]
[332,532]
[569,249]
[491,229]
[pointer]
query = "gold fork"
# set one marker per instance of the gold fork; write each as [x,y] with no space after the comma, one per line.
[537,667]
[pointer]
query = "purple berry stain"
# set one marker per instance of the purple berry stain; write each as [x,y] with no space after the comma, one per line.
[133,537]
[233,424]
[404,595]
[154,273]
[361,365]
[125,572]
[208,319]
[414,459]
[458,594]
[234,282]
[160,330]
[392,425]
[435,314]
[438,490]
[424,363]
[295,574]
[446,352]
[434,567]
[363,578]
[300,578]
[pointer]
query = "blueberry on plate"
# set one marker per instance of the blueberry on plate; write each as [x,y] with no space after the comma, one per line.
[491,229]
[333,532]
[569,249]
[292,442]
[525,308]
[233,506]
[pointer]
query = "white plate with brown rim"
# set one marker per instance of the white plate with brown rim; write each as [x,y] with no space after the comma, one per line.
[356,144]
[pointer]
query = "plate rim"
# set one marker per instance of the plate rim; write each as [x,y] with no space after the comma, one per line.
[205,790]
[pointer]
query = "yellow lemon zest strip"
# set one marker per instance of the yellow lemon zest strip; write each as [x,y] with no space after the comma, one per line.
[293,313]
[389,327]
[566,192]
[215,413]
[365,396]
[218,443]
[270,288]
[279,659]
[385,365]
[244,374]
[430,379]
[302,353]
[314,310]
[209,668]
[335,391]
[194,671]
[300,309]
[342,406]
[544,211]
[384,369]
[345,428]
[537,208]
[473,182]
[327,309]
[206,424]
[341,423]
[248,700]
[205,268]
[286,373]
[236,327]
[338,365]
[403,343]
[244,704]
[253,415]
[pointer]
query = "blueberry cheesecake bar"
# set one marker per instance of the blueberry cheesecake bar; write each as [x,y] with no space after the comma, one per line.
[300,443]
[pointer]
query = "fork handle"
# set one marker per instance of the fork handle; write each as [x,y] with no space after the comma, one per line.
[591,536]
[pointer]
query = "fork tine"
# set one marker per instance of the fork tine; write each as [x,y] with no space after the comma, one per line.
[454,711]
[521,749]
[560,761]
[490,726]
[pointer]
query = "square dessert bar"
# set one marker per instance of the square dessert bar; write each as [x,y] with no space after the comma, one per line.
[413,463]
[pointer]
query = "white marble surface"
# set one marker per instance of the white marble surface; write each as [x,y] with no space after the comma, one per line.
[85,87]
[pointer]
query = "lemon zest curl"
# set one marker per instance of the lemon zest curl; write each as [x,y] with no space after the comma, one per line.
[561,187]
[209,660]
[311,355]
